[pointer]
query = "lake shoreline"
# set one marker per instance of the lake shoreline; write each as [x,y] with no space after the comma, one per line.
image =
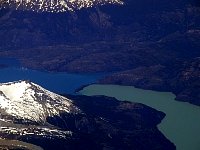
[106,78]
[180,116]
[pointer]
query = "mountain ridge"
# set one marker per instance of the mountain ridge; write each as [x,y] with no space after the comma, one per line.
[101,122]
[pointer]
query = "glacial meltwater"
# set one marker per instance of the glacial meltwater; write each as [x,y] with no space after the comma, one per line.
[182,122]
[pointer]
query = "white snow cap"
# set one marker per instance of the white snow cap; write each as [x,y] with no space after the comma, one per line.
[54,5]
[26,100]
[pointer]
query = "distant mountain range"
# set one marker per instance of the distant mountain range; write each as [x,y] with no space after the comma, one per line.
[35,115]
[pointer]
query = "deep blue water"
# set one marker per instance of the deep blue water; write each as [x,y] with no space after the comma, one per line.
[55,82]
[10,62]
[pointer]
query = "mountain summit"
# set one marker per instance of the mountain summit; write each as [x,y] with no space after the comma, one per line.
[26,100]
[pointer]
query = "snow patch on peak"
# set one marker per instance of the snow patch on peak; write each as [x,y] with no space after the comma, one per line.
[16,90]
[26,100]
[55,6]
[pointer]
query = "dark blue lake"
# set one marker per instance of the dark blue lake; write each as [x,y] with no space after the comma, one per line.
[55,82]
[11,62]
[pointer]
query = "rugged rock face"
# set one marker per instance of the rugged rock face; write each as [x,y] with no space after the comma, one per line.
[99,123]
[152,77]
[187,82]
[182,78]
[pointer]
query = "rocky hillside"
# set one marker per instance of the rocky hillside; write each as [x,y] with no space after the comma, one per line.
[77,122]
[181,79]
[135,20]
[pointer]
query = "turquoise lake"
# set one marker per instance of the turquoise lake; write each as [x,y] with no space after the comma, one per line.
[182,122]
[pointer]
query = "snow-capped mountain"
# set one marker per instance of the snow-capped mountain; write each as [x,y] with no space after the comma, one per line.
[32,114]
[28,110]
[26,100]
[54,5]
